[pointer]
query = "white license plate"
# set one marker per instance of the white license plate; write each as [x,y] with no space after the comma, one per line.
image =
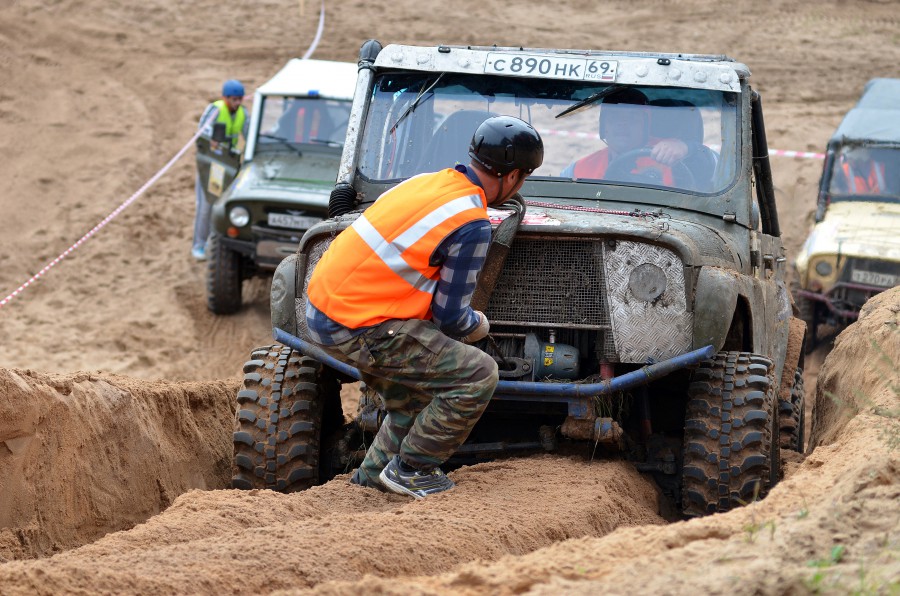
[295,222]
[884,280]
[551,67]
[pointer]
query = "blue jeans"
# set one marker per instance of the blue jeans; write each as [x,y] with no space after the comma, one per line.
[201,217]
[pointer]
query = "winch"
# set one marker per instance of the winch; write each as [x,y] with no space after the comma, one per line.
[524,357]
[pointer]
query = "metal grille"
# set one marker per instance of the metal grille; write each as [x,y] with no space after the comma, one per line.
[552,283]
[860,264]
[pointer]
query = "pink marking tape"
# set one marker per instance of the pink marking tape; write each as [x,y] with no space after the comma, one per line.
[107,219]
[584,135]
[803,154]
[146,185]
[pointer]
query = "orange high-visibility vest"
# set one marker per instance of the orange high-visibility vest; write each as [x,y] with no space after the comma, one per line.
[377,269]
[857,183]
[595,164]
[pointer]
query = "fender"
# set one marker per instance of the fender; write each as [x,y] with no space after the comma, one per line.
[283,301]
[793,358]
[715,298]
[779,341]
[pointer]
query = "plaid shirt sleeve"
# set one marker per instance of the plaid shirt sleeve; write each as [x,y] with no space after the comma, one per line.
[462,255]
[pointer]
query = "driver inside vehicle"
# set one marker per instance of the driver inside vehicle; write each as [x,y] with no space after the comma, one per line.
[631,153]
[867,171]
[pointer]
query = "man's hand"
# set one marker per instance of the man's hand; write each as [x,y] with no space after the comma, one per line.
[668,151]
[479,332]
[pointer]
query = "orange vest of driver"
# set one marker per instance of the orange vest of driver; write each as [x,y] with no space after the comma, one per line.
[595,164]
[378,268]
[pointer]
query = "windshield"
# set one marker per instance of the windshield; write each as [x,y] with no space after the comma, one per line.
[866,172]
[288,121]
[672,138]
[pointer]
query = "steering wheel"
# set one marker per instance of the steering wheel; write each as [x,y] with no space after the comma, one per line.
[621,169]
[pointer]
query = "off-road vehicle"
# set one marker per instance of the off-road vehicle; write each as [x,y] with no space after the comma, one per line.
[633,312]
[853,252]
[265,204]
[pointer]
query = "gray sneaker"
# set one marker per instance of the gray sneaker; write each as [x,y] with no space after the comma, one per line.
[416,484]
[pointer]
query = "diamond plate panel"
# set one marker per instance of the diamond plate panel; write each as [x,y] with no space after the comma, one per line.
[643,330]
[315,252]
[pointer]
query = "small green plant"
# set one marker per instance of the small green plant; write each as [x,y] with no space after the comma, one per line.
[837,553]
[816,583]
[753,530]
[867,581]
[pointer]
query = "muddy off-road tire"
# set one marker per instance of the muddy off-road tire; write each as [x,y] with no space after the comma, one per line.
[278,422]
[731,453]
[791,417]
[223,277]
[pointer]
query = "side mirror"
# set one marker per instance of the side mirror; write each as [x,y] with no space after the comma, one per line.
[218,132]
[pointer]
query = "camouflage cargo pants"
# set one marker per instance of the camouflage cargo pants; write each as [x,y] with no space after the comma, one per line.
[434,390]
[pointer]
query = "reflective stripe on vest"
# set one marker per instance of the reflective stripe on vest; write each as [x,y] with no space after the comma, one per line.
[233,125]
[378,268]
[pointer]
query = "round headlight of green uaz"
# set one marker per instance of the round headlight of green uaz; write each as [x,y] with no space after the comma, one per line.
[239,217]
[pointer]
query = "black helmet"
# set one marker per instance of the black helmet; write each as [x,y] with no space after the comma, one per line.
[502,144]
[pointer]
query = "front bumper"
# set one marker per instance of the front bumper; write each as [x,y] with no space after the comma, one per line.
[845,299]
[268,247]
[578,396]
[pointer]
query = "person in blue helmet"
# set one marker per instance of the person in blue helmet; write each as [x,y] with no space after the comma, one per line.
[228,111]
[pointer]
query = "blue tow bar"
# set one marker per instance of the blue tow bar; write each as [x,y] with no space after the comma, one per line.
[642,376]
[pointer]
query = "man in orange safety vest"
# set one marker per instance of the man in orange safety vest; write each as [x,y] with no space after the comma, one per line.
[391,296]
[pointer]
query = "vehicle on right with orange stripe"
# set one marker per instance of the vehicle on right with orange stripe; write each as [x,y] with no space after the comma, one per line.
[853,252]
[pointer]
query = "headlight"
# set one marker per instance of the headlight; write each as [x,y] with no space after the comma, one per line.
[647,282]
[239,217]
[823,268]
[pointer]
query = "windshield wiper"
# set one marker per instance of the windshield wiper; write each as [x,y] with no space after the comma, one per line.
[283,140]
[415,103]
[591,99]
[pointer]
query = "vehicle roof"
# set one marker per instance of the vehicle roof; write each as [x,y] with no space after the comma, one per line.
[876,116]
[699,71]
[324,78]
[881,94]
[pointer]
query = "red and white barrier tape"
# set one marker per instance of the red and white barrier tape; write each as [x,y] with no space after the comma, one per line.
[108,218]
[803,154]
[586,135]
[569,133]
[315,41]
[143,188]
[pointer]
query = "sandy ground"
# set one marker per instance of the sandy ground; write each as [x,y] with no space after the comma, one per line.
[116,384]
